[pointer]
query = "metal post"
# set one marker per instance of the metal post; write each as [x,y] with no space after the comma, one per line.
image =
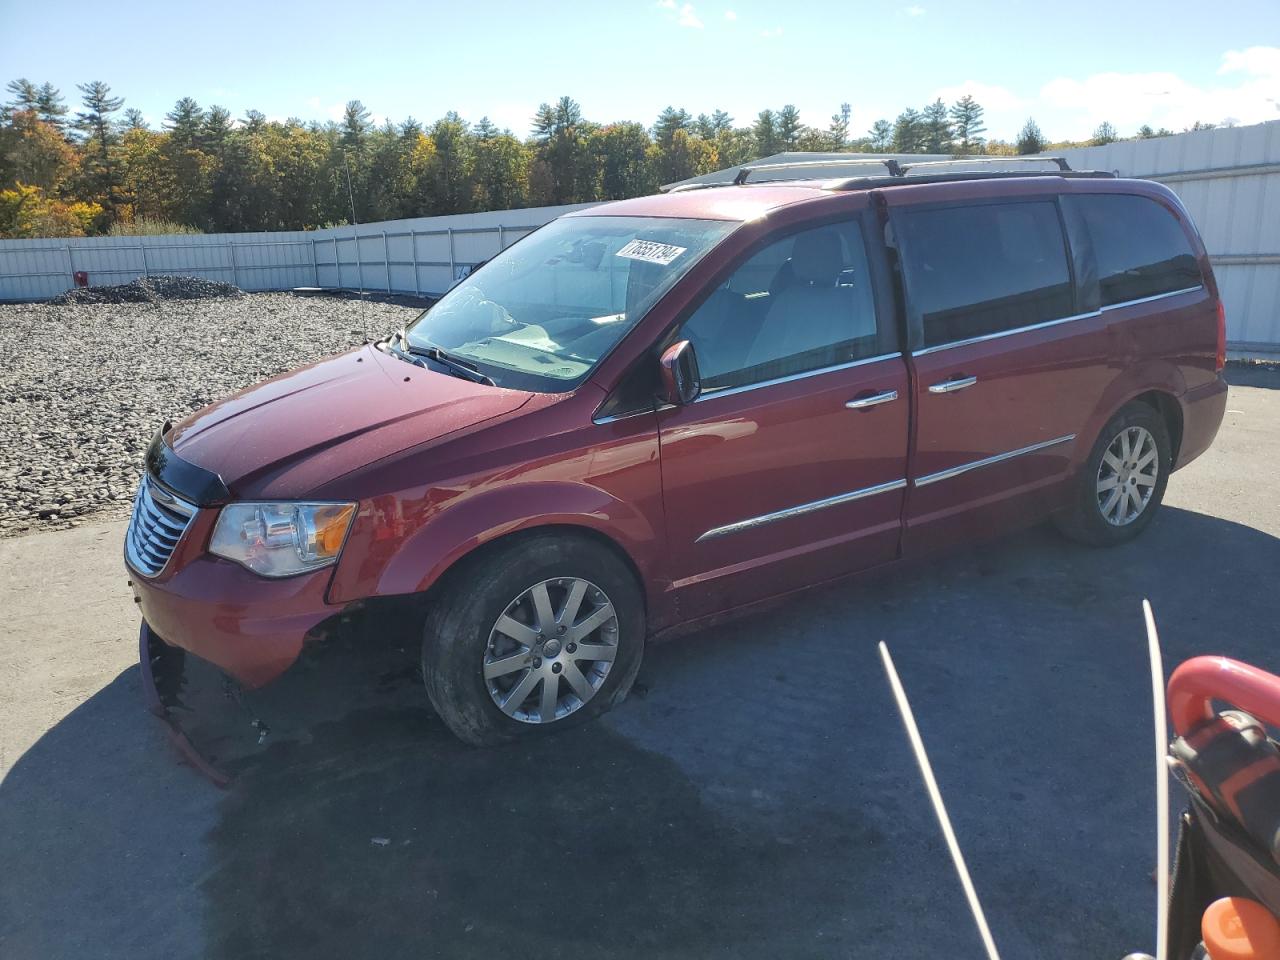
[359,261]
[337,263]
[146,271]
[386,259]
[235,275]
[501,243]
[417,284]
[453,269]
[315,269]
[71,266]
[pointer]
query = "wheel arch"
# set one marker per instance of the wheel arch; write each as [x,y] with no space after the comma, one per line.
[1158,384]
[465,531]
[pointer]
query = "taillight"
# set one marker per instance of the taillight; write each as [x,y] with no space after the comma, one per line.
[1222,338]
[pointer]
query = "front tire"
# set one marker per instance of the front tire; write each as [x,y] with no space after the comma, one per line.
[532,636]
[1121,486]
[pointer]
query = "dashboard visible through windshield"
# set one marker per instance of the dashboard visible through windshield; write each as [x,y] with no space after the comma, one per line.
[542,313]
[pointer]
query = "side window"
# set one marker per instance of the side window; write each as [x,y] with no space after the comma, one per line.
[985,268]
[801,303]
[1140,247]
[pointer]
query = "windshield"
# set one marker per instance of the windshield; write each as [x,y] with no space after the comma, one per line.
[543,312]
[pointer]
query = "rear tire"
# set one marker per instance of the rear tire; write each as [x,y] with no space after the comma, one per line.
[531,637]
[1121,485]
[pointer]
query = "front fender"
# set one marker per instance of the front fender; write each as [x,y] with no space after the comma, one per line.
[411,564]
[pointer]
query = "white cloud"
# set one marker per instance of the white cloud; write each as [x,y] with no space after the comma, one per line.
[667,4]
[914,11]
[730,15]
[769,34]
[688,18]
[1163,99]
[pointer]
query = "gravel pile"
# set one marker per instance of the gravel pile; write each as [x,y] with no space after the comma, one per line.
[83,388]
[150,290]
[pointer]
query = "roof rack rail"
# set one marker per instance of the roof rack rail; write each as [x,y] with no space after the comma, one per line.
[889,163]
[892,171]
[1061,162]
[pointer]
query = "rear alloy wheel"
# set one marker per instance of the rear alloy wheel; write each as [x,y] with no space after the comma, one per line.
[551,650]
[532,635]
[1119,488]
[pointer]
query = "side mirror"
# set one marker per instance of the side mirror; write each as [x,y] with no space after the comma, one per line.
[678,366]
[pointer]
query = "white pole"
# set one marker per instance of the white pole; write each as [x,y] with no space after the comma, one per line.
[939,808]
[1162,785]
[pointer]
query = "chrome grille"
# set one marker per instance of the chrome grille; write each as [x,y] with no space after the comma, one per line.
[158,522]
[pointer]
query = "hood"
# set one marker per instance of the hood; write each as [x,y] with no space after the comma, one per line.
[285,436]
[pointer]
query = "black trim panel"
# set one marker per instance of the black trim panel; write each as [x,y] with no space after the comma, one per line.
[202,487]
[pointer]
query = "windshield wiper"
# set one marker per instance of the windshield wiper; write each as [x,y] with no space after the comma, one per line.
[458,366]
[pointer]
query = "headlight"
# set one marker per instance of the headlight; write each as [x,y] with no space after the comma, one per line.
[282,539]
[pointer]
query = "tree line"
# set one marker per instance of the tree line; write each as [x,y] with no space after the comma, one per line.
[104,169]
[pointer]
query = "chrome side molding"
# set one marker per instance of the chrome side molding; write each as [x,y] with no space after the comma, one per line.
[989,461]
[800,510]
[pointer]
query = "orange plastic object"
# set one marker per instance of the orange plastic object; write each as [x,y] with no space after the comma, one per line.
[1198,682]
[1235,928]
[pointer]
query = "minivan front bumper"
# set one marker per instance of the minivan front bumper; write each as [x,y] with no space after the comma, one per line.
[250,627]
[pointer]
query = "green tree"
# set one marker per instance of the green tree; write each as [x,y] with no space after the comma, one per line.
[1105,133]
[765,134]
[33,152]
[668,122]
[880,136]
[559,171]
[967,125]
[908,132]
[100,170]
[501,172]
[686,156]
[1030,139]
[936,134]
[839,128]
[621,150]
[454,164]
[789,127]
[355,126]
[134,120]
[51,108]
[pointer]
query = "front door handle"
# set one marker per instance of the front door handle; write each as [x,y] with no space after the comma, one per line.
[952,385]
[874,400]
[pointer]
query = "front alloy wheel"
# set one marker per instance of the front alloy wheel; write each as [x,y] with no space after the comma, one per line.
[1127,476]
[550,650]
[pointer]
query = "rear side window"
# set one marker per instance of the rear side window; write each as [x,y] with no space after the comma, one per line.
[1140,246]
[984,268]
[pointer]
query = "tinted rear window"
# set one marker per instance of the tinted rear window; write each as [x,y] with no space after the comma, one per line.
[985,268]
[1140,247]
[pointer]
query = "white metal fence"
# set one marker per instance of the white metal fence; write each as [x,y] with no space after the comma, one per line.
[420,256]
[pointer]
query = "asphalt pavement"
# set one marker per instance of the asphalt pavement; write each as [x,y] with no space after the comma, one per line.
[756,797]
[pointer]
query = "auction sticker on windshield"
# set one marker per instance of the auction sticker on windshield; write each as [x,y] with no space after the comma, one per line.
[651,252]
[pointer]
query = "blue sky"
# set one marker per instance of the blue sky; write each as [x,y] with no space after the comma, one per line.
[1068,65]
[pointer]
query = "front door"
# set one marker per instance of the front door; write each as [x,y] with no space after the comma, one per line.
[790,467]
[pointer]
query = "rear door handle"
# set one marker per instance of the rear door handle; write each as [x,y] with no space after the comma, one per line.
[952,385]
[874,400]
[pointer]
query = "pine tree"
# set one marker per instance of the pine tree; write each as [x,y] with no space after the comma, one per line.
[936,128]
[355,125]
[668,122]
[967,125]
[765,133]
[839,128]
[908,132]
[94,122]
[1030,140]
[789,127]
[255,121]
[880,136]
[1105,133]
[185,122]
[51,107]
[134,120]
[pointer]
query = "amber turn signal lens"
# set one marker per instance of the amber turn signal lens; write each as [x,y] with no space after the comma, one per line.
[331,528]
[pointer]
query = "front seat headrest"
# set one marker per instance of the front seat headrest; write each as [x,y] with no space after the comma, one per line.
[817,258]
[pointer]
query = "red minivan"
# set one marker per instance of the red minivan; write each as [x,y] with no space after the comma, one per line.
[659,411]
